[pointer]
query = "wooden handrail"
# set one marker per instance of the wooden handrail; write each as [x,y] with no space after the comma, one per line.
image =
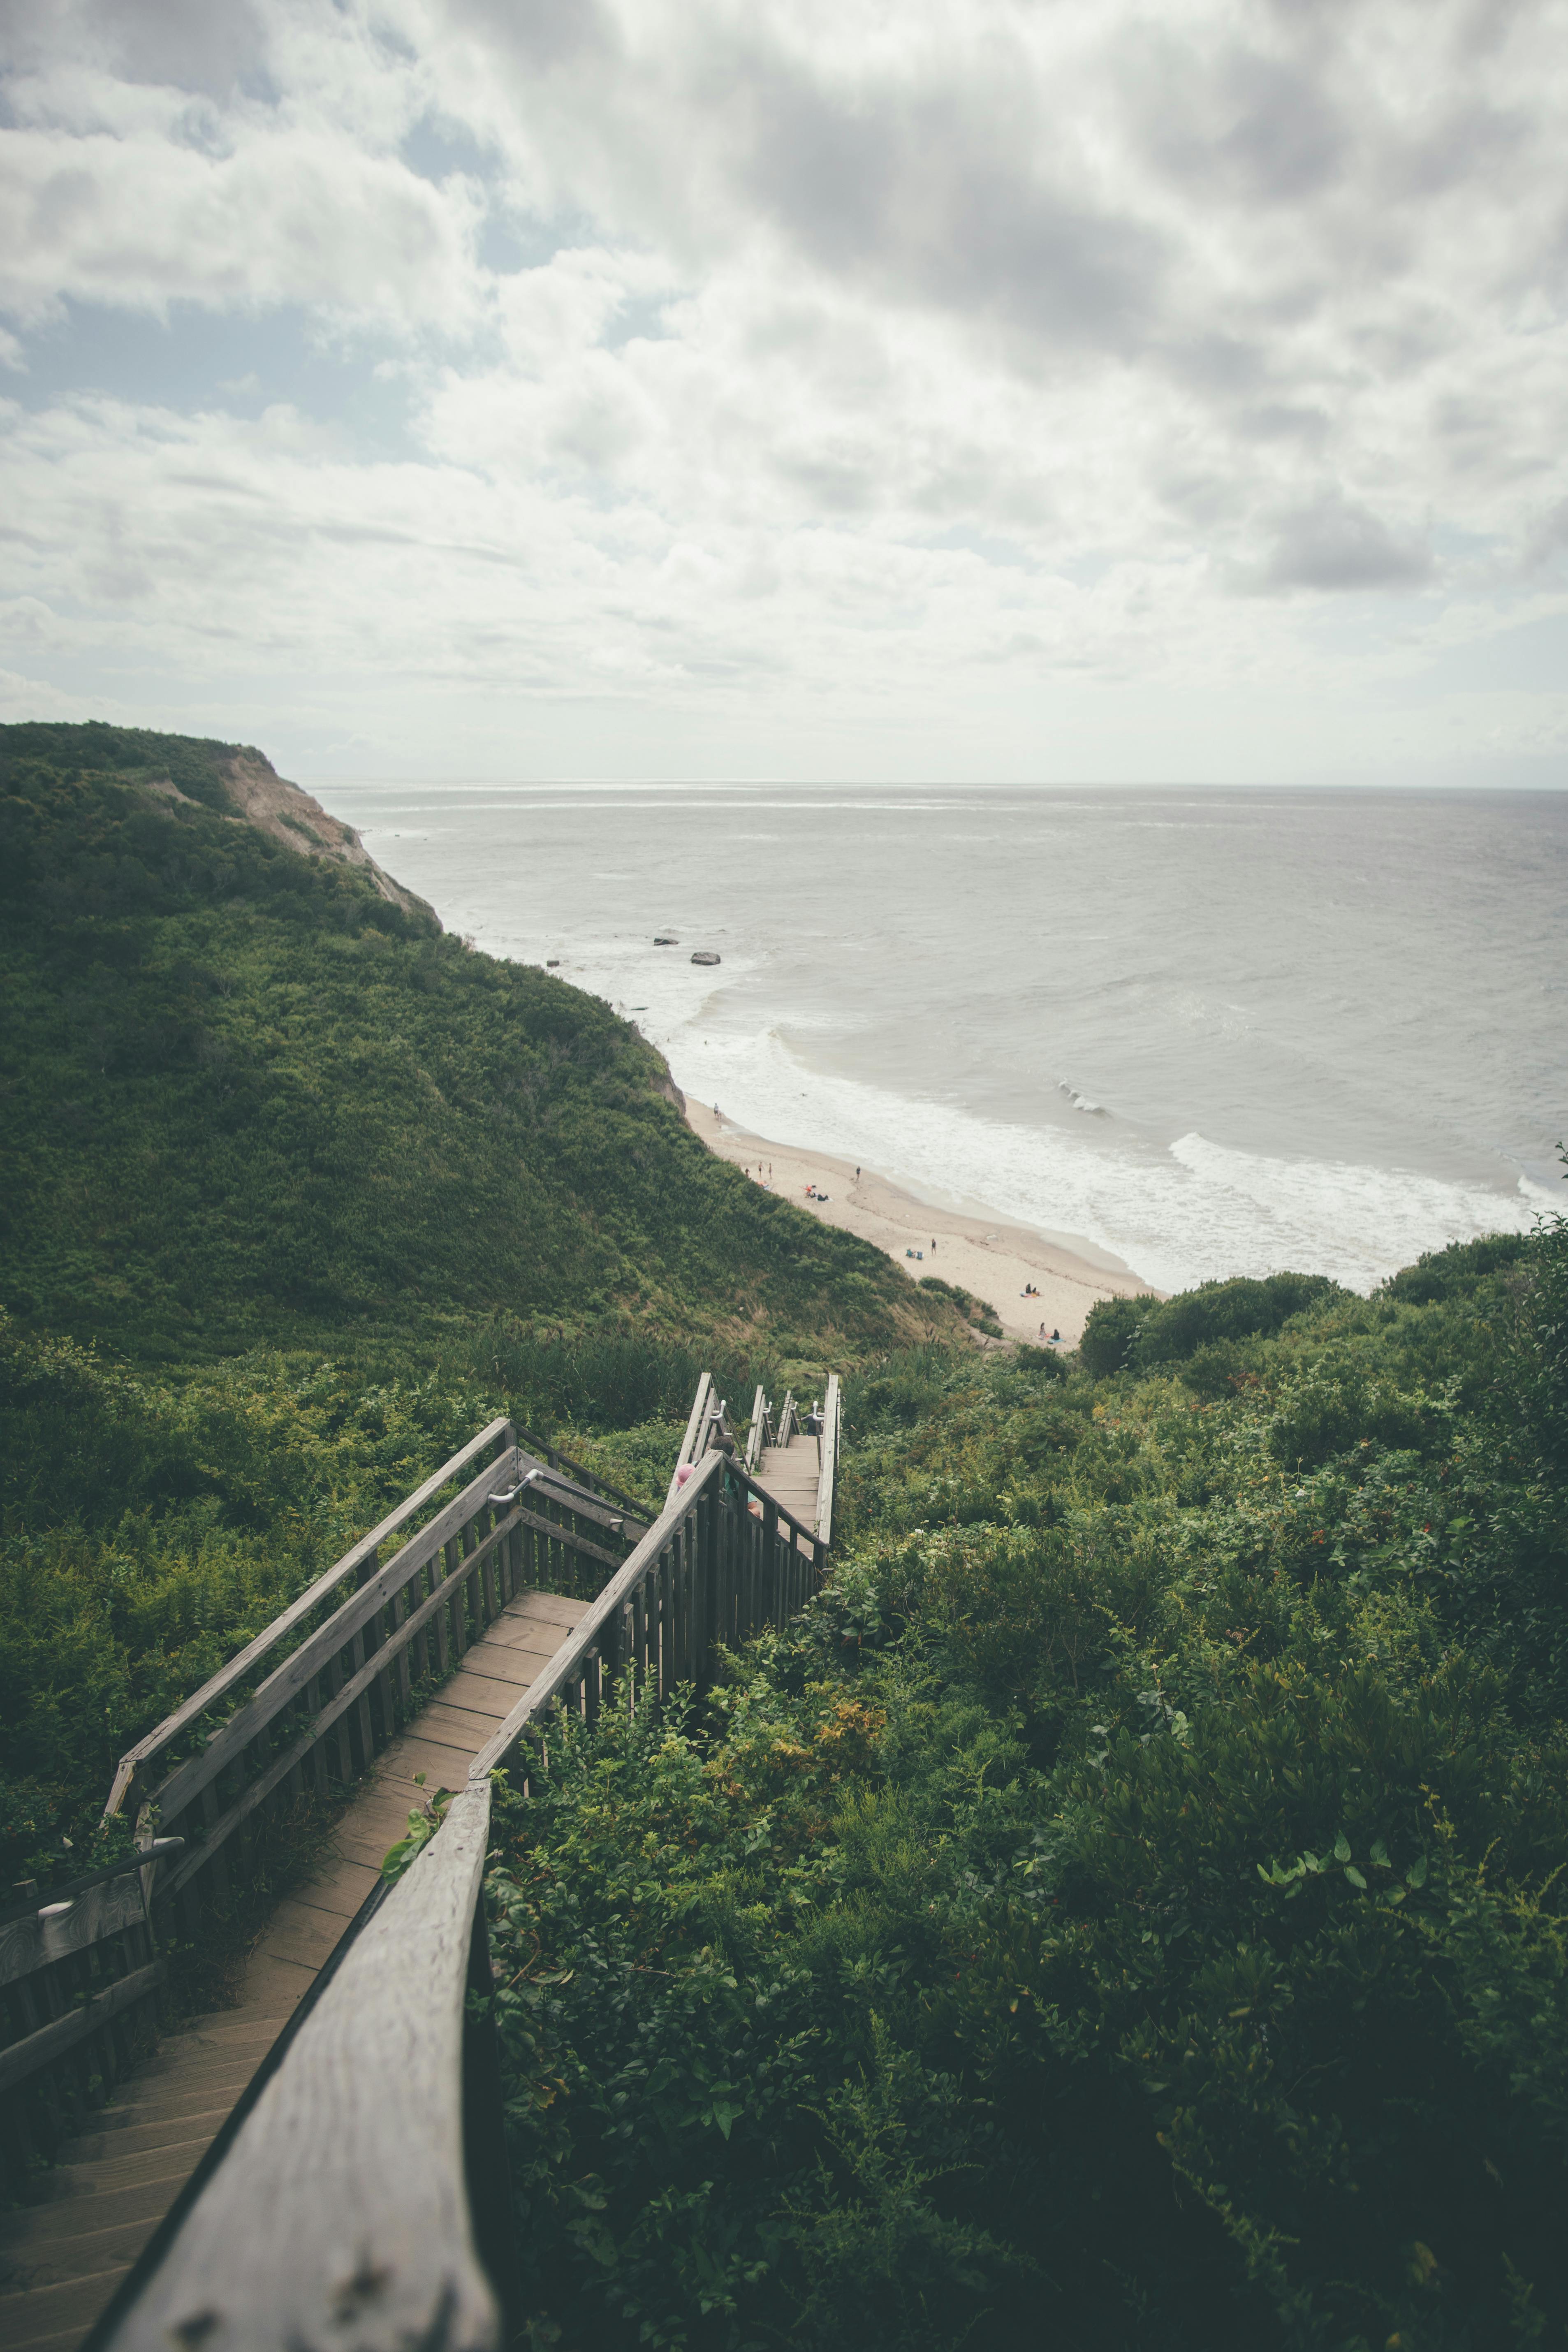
[584,1477]
[241,1665]
[546,1686]
[341,2214]
[828,1458]
[696,1423]
[757,1435]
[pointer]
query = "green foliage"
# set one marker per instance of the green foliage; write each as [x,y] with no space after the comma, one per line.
[1109,1330]
[1449,1272]
[151,1529]
[250,1100]
[1128,1909]
[298,1193]
[1145,1332]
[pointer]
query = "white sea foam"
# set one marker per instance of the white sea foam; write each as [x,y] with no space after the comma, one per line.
[901,973]
[1188,1213]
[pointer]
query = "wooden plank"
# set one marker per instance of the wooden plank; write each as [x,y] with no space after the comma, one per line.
[757,1431]
[342,2211]
[482,1690]
[545,1609]
[563,1535]
[50,1933]
[239,1666]
[827,1446]
[24,2058]
[695,1421]
[549,1483]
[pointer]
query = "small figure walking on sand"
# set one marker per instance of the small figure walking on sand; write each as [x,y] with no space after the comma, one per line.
[1042,1330]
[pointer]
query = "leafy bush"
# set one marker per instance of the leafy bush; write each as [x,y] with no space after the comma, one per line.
[1128,1910]
[1111,1328]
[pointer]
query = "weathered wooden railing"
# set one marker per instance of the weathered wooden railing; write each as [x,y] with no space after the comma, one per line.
[76,1973]
[707,1422]
[827,1456]
[760,1432]
[364,2198]
[308,1704]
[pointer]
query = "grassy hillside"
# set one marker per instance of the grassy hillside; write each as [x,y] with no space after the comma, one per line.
[247,1099]
[1129,1912]
[296,1193]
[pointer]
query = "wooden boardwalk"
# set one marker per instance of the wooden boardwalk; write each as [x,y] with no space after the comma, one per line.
[64,2257]
[792,1475]
[800,1474]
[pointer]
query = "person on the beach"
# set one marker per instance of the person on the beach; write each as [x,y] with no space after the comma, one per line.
[1056,1338]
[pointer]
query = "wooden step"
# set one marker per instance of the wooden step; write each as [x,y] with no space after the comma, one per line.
[58,2314]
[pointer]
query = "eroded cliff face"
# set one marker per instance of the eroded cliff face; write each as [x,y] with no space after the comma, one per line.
[261,797]
[266,799]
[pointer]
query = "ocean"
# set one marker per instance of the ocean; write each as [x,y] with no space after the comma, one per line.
[1192,1033]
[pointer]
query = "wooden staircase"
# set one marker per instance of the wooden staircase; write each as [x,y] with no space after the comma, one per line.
[115,2181]
[358,2104]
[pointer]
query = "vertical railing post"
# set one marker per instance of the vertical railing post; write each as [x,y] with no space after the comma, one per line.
[771,1553]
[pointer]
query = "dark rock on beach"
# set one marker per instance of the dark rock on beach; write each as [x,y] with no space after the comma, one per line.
[706,955]
[665,939]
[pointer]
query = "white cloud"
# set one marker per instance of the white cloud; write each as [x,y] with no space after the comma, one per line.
[1038,370]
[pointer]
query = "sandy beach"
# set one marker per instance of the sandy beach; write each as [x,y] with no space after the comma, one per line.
[986,1256]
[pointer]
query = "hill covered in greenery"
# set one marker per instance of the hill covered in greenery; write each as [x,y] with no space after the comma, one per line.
[297,1192]
[1129,1910]
[250,1096]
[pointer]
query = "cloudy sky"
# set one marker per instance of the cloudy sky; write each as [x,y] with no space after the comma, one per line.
[1068,389]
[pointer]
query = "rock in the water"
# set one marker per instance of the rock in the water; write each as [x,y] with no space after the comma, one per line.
[552,960]
[665,939]
[706,955]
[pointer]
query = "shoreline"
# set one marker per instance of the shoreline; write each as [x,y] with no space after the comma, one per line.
[987,1255]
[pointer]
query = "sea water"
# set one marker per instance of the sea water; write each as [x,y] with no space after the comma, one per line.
[1197,1032]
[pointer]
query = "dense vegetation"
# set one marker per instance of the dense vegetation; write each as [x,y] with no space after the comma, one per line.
[298,1193]
[248,1099]
[1128,1910]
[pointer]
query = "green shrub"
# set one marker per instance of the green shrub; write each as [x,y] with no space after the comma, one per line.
[1110,1331]
[1127,1910]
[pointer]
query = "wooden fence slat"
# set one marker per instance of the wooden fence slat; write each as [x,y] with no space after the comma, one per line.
[63,2033]
[35,1941]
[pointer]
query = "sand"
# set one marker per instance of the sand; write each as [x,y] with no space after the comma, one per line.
[987,1256]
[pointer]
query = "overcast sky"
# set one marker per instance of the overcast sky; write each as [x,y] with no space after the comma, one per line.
[831,388]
